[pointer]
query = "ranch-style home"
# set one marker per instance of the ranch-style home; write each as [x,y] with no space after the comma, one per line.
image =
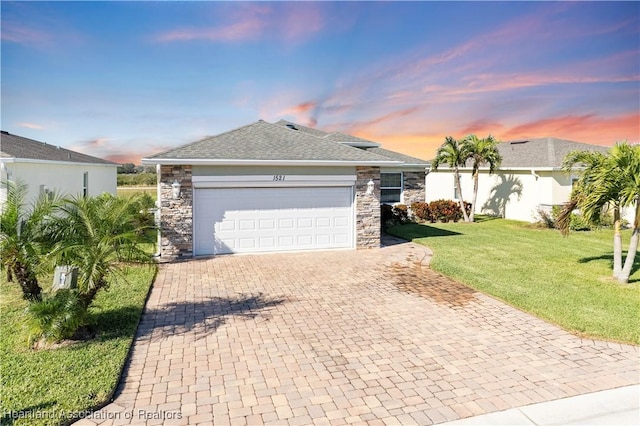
[528,180]
[47,168]
[268,187]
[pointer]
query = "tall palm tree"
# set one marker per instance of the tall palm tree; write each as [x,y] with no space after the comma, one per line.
[612,179]
[22,238]
[455,154]
[99,236]
[481,152]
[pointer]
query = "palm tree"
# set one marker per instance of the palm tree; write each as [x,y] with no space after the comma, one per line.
[22,238]
[612,179]
[99,236]
[453,153]
[481,152]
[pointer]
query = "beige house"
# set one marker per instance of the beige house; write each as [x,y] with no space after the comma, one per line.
[528,180]
[281,186]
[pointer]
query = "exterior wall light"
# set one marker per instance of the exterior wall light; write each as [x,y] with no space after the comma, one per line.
[175,190]
[370,187]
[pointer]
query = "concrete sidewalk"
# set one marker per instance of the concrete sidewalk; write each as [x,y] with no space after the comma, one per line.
[611,407]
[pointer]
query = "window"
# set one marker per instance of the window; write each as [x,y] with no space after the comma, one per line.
[85,184]
[390,187]
[456,190]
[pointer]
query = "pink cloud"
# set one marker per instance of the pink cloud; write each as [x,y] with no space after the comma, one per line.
[289,22]
[588,128]
[34,126]
[16,33]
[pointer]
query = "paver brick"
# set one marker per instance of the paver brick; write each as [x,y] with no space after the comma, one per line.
[346,337]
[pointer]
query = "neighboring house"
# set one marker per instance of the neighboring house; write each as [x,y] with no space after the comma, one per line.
[47,168]
[279,186]
[528,180]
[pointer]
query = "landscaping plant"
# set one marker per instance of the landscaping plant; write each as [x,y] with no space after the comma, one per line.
[605,180]
[22,237]
[456,154]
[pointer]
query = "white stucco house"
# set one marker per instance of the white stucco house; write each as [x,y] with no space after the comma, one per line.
[48,168]
[529,179]
[268,187]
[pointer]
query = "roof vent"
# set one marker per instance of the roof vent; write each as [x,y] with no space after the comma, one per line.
[517,142]
[4,132]
[291,126]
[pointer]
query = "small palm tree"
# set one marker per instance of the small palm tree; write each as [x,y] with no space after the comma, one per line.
[612,179]
[22,237]
[455,154]
[481,152]
[99,236]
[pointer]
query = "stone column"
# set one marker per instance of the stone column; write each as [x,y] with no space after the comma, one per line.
[176,216]
[413,187]
[368,224]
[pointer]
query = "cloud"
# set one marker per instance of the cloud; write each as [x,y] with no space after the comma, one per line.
[20,34]
[34,126]
[588,128]
[288,22]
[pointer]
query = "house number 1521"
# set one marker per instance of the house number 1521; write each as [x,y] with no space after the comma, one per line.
[278,178]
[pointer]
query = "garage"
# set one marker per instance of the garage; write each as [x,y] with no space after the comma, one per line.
[253,220]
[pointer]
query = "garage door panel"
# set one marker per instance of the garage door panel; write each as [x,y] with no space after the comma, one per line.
[235,220]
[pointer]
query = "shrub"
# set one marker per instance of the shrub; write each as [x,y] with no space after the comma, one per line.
[56,317]
[420,211]
[546,219]
[444,211]
[393,215]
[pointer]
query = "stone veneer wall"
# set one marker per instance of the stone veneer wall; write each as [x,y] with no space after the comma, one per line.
[367,208]
[176,216]
[414,187]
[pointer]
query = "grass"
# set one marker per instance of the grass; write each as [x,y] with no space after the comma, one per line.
[45,387]
[131,190]
[566,281]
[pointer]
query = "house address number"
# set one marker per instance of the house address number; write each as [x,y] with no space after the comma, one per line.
[278,178]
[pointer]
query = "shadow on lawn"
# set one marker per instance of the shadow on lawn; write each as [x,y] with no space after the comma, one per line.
[609,258]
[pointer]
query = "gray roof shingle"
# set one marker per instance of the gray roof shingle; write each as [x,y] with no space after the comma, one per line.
[268,142]
[407,159]
[13,146]
[541,152]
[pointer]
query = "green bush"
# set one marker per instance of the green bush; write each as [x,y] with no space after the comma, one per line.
[56,317]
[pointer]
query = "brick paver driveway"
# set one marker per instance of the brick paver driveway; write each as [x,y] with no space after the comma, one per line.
[344,337]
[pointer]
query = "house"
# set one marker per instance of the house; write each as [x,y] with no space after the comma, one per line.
[528,180]
[268,187]
[47,168]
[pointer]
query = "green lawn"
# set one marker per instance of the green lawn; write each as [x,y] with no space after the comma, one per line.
[39,386]
[131,190]
[566,281]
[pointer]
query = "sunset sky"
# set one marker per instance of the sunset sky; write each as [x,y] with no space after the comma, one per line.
[123,80]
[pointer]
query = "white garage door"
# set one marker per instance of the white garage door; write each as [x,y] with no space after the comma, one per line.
[249,220]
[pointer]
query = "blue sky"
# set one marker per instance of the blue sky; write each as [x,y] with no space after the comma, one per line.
[122,80]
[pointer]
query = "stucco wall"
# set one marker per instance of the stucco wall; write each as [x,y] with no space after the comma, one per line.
[64,178]
[513,194]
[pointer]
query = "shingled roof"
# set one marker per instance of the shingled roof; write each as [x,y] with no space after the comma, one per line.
[370,146]
[18,147]
[541,152]
[264,142]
